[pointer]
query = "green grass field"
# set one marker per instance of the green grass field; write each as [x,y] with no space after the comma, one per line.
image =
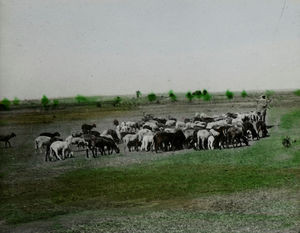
[235,188]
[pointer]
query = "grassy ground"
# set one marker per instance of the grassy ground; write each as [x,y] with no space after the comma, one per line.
[250,189]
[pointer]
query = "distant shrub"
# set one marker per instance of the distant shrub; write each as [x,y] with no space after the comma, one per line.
[229,94]
[189,96]
[204,92]
[117,100]
[55,103]
[207,97]
[99,104]
[297,92]
[45,101]
[269,93]
[197,94]
[138,94]
[81,99]
[16,101]
[5,104]
[152,97]
[244,94]
[172,96]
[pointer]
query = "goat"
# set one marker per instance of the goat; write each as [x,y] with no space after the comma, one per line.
[6,138]
[87,128]
[202,137]
[41,141]
[51,135]
[58,145]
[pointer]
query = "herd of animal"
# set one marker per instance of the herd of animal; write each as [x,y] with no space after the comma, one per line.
[155,134]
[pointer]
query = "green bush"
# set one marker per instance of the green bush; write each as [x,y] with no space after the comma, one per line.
[189,96]
[16,101]
[138,94]
[81,99]
[244,94]
[297,92]
[229,94]
[207,97]
[5,103]
[55,103]
[204,92]
[197,94]
[172,96]
[45,101]
[152,97]
[117,100]
[269,93]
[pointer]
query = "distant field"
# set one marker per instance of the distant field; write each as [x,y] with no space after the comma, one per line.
[248,189]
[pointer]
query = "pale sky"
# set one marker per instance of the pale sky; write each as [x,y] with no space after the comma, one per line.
[113,47]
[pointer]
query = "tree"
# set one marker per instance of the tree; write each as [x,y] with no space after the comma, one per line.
[117,100]
[244,94]
[138,94]
[152,97]
[45,101]
[297,92]
[6,104]
[204,92]
[229,94]
[269,93]
[16,101]
[55,103]
[172,96]
[189,96]
[81,99]
[207,97]
[197,94]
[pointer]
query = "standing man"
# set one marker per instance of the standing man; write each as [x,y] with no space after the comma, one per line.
[262,105]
